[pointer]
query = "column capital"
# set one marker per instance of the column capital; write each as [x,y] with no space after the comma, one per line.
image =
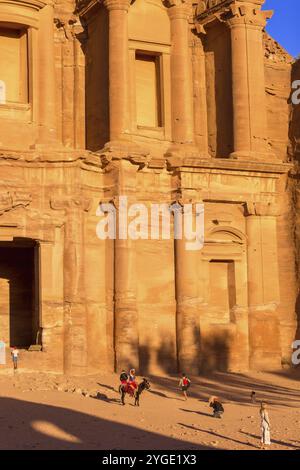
[117,4]
[70,28]
[179,9]
[212,6]
[177,3]
[240,14]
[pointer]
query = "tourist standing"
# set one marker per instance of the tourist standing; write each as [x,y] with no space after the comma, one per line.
[15,357]
[265,426]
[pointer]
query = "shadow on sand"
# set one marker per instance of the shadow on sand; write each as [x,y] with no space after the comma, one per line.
[274,441]
[215,434]
[27,425]
[235,388]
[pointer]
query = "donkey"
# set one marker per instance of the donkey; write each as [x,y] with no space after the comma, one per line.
[144,385]
[125,388]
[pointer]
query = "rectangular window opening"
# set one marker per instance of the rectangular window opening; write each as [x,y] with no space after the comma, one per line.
[13,65]
[148,90]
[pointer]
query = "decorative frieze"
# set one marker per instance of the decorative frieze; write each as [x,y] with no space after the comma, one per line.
[71,203]
[12,200]
[261,209]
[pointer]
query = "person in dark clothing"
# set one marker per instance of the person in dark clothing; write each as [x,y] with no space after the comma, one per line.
[123,376]
[216,405]
[123,379]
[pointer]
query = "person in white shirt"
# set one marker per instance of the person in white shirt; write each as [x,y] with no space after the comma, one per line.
[15,356]
[265,426]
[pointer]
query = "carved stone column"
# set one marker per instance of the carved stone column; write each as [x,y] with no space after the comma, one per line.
[72,37]
[47,116]
[246,24]
[5,311]
[80,37]
[118,68]
[75,315]
[200,103]
[187,304]
[182,112]
[126,334]
[263,286]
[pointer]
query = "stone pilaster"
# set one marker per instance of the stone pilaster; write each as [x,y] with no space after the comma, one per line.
[246,22]
[75,315]
[80,38]
[200,103]
[263,286]
[72,37]
[182,111]
[187,301]
[118,68]
[126,332]
[5,311]
[47,116]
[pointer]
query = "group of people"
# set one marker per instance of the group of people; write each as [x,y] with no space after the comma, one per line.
[214,402]
[129,380]
[218,409]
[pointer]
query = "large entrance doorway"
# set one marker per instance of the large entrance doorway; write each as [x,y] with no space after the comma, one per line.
[19,293]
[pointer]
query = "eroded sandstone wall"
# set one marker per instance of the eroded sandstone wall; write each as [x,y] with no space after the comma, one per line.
[107,304]
[294,133]
[278,72]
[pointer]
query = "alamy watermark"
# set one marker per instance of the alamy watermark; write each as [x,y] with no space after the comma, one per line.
[296,353]
[296,93]
[155,222]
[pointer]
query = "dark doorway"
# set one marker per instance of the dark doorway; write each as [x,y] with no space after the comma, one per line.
[19,293]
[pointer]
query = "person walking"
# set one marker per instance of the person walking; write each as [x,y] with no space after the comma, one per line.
[184,384]
[264,426]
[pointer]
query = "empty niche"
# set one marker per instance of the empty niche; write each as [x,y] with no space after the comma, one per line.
[222,296]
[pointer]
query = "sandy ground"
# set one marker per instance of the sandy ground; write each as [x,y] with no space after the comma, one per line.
[36,413]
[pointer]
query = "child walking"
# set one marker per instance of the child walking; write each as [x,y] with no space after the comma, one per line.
[184,383]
